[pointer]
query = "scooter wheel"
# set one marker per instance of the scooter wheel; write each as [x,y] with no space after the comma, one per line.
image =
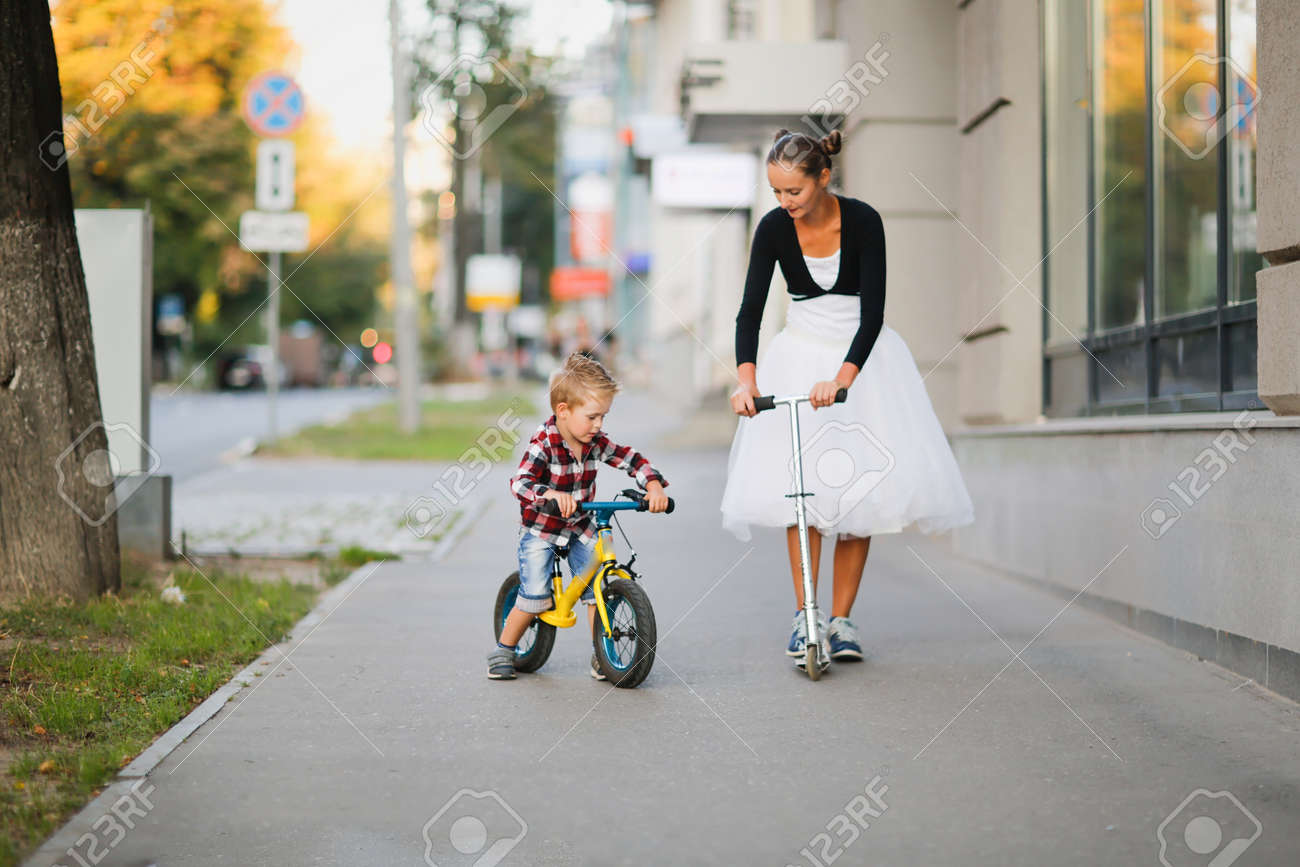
[812,664]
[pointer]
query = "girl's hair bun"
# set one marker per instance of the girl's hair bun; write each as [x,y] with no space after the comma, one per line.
[779,133]
[832,143]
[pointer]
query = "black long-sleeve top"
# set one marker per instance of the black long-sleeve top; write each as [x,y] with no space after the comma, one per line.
[862,273]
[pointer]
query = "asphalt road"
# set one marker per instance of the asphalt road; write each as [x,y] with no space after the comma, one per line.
[991,724]
[191,430]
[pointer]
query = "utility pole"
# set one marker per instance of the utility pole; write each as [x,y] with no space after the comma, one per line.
[407,328]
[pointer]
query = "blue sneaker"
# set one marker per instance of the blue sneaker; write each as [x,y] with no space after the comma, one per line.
[799,640]
[844,639]
[798,637]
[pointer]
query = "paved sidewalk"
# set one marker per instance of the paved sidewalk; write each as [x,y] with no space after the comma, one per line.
[376,743]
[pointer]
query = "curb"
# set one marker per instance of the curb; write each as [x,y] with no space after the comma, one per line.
[82,823]
[50,853]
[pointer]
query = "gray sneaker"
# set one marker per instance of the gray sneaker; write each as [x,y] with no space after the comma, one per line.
[501,664]
[595,669]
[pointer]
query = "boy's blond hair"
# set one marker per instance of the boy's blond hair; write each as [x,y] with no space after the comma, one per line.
[581,377]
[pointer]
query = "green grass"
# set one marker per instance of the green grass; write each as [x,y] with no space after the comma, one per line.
[355,555]
[84,688]
[447,430]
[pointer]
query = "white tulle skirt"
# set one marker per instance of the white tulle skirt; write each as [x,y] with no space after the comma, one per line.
[877,463]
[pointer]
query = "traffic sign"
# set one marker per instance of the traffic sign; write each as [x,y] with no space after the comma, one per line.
[275,158]
[273,104]
[266,232]
[492,281]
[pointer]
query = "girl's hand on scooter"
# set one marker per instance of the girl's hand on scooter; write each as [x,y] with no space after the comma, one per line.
[742,399]
[823,393]
[565,502]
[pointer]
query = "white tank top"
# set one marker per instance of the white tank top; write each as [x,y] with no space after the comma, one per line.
[824,269]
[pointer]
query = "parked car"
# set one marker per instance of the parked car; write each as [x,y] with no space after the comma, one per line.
[237,369]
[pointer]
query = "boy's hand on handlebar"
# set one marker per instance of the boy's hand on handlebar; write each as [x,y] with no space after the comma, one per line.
[655,498]
[565,502]
[823,393]
[742,399]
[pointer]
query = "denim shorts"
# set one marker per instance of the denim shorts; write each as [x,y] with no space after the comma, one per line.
[535,558]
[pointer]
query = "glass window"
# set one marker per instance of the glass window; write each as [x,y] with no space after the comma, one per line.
[1122,373]
[1186,140]
[1242,73]
[1119,130]
[1161,294]
[1067,105]
[1188,364]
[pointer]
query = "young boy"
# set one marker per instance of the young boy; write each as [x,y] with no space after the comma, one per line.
[560,465]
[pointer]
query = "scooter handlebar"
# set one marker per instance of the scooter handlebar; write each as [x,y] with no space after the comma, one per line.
[768,401]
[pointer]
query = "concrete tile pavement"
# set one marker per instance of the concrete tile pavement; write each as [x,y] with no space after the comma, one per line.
[726,754]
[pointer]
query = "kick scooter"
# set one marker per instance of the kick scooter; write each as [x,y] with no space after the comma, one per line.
[813,663]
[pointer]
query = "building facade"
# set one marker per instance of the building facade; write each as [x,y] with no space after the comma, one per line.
[1092,223]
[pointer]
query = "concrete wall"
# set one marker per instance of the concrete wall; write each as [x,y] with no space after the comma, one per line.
[1277,180]
[900,141]
[999,114]
[1057,501]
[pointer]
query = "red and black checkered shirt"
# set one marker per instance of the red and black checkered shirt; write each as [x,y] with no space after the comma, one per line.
[548,464]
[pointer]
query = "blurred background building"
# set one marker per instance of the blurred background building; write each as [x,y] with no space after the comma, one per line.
[1076,259]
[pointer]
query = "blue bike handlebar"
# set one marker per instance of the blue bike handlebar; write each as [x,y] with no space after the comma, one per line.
[610,506]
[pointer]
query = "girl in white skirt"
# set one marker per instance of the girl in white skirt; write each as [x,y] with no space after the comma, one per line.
[877,463]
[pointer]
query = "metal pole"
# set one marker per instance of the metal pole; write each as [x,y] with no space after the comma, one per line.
[272,375]
[407,329]
[805,562]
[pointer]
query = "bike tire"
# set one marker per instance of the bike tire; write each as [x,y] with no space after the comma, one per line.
[626,658]
[538,640]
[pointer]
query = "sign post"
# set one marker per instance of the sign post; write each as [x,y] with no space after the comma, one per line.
[273,106]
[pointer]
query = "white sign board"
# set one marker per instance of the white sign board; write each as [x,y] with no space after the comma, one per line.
[708,179]
[492,281]
[653,134]
[275,172]
[117,255]
[264,232]
[528,320]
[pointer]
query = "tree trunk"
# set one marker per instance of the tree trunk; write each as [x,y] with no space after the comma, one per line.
[58,533]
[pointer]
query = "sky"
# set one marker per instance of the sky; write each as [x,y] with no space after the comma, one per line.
[345,70]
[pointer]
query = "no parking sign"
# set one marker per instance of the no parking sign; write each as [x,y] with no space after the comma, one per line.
[273,104]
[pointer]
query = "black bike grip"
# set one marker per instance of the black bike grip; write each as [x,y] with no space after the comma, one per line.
[644,506]
[766,401]
[841,395]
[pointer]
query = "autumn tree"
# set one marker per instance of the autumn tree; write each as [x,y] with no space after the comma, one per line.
[58,533]
[178,141]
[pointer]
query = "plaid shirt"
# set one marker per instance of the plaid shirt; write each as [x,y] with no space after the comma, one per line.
[548,464]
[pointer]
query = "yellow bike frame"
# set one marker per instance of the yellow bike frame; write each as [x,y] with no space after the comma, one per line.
[604,563]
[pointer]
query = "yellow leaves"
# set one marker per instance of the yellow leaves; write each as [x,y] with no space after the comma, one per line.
[38,730]
[46,766]
[208,43]
[208,307]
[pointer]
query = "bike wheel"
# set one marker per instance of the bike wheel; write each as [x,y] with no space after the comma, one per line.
[625,658]
[536,643]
